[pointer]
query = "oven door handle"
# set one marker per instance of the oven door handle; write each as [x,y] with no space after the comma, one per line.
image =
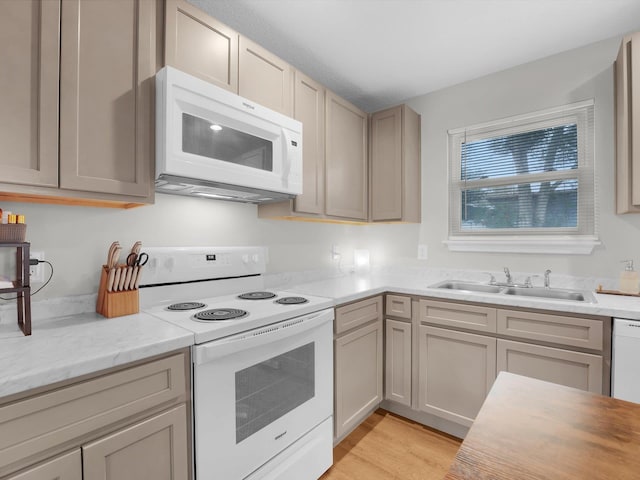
[260,336]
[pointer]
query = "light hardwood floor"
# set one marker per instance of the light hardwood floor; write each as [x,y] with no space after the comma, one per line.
[389,447]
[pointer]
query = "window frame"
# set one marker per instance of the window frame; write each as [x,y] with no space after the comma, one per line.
[580,239]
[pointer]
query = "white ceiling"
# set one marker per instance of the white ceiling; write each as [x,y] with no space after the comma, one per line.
[377,53]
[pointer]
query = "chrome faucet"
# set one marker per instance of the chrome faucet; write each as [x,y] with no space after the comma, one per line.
[547,282]
[508,274]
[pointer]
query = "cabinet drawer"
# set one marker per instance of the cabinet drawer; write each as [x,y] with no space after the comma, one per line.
[472,317]
[398,306]
[358,313]
[44,421]
[557,329]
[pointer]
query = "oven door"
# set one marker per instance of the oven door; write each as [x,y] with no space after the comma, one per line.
[258,392]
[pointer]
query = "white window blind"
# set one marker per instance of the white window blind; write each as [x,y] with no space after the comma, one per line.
[530,175]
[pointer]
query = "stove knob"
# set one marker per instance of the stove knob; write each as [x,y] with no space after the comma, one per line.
[245,258]
[169,263]
[255,257]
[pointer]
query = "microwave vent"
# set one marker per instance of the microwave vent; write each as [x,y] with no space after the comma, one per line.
[218,191]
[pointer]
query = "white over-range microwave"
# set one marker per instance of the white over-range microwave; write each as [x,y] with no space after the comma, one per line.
[213,143]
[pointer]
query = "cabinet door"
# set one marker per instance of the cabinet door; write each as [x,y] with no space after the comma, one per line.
[264,78]
[200,45]
[29,55]
[397,374]
[358,376]
[627,71]
[573,369]
[155,449]
[456,371]
[64,467]
[106,96]
[346,159]
[386,165]
[308,108]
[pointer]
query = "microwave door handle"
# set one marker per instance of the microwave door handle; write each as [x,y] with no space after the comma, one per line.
[286,165]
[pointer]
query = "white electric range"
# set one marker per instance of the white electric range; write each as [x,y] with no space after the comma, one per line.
[262,362]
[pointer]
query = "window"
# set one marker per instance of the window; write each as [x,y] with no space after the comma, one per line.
[524,184]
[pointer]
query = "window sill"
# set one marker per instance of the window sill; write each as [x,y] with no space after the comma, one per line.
[566,245]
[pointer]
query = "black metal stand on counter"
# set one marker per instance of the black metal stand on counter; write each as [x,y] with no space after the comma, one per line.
[21,285]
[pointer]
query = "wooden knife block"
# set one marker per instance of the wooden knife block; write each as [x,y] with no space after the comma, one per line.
[115,304]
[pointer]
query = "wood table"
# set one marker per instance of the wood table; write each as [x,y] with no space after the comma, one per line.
[529,429]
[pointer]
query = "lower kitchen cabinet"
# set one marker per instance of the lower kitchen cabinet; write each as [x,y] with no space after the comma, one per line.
[358,365]
[155,449]
[397,374]
[63,467]
[573,369]
[130,423]
[456,371]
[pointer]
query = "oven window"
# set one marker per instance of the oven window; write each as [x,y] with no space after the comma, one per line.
[269,390]
[204,138]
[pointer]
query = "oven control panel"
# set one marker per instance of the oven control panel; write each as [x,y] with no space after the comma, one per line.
[182,264]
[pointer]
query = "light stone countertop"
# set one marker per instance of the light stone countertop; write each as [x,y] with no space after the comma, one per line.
[67,346]
[70,346]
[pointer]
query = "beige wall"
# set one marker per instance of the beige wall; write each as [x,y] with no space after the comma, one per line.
[568,77]
[75,239]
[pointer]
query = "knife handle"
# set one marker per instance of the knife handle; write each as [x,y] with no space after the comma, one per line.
[139,269]
[123,276]
[110,279]
[127,280]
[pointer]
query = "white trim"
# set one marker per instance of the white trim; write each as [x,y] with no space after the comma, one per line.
[502,122]
[561,245]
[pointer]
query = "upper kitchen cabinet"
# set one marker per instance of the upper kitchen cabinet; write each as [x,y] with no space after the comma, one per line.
[198,44]
[29,55]
[346,159]
[264,78]
[91,65]
[334,158]
[107,68]
[395,165]
[627,73]
[308,108]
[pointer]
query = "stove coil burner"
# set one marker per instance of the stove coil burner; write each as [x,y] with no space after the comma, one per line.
[220,314]
[186,306]
[256,295]
[291,300]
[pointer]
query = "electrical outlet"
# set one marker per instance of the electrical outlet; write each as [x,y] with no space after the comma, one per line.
[422,252]
[36,272]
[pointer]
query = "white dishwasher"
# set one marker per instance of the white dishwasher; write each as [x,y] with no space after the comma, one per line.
[625,371]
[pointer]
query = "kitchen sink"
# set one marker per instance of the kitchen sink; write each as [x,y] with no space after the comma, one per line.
[552,293]
[468,286]
[537,292]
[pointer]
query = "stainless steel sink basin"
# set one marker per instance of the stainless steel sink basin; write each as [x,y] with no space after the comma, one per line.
[538,292]
[467,286]
[552,293]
